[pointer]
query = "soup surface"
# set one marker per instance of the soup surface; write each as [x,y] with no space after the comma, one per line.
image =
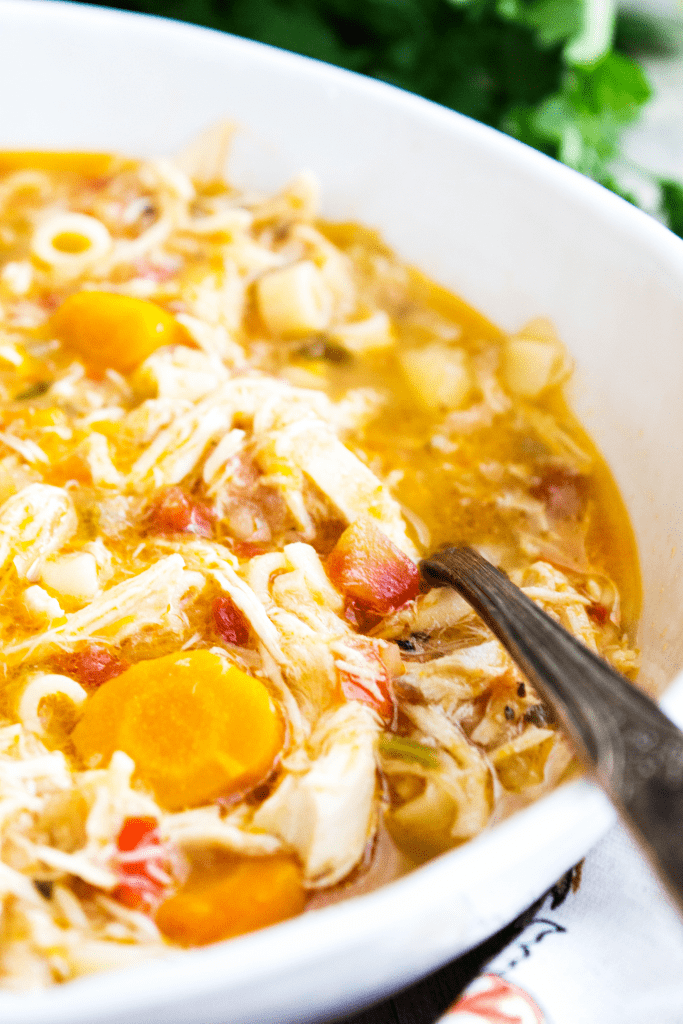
[229,431]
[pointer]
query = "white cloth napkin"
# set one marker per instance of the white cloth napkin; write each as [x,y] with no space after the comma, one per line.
[612,953]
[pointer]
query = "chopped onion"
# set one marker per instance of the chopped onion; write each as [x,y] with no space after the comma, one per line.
[439,375]
[294,300]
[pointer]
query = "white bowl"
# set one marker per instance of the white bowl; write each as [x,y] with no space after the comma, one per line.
[515,234]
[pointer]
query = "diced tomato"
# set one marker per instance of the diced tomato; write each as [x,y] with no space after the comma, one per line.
[141,863]
[92,666]
[174,511]
[151,271]
[243,549]
[353,689]
[563,490]
[49,301]
[363,675]
[353,614]
[599,613]
[98,183]
[229,621]
[371,571]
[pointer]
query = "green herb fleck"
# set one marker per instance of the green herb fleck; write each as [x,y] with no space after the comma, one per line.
[408,750]
[320,348]
[34,391]
[672,204]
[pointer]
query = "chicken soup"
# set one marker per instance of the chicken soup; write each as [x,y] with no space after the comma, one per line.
[229,432]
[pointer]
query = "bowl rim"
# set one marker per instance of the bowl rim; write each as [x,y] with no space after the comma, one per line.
[582,810]
[393,907]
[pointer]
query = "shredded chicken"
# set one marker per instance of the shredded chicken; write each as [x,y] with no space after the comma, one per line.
[326,811]
[149,599]
[33,524]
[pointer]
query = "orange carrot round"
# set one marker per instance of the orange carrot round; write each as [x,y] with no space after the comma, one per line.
[249,893]
[115,331]
[196,727]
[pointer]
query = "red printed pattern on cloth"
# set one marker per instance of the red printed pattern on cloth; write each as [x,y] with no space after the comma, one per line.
[494,1001]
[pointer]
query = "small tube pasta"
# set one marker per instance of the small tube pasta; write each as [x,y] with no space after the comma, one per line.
[37,689]
[294,301]
[70,241]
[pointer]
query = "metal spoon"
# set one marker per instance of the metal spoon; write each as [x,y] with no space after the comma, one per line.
[630,747]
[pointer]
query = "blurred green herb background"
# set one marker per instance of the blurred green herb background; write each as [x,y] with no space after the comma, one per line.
[561,75]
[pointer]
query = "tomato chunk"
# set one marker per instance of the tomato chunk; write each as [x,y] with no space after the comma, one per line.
[564,491]
[371,571]
[600,613]
[140,863]
[92,666]
[236,897]
[174,511]
[229,621]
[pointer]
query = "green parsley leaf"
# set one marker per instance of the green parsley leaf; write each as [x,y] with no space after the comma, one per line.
[672,204]
[41,387]
[545,71]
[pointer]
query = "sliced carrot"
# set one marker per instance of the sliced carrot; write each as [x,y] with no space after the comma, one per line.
[243,895]
[73,467]
[196,727]
[114,331]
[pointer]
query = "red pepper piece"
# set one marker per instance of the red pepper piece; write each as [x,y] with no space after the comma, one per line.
[140,863]
[244,549]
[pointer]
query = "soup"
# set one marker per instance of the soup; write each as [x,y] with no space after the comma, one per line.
[229,432]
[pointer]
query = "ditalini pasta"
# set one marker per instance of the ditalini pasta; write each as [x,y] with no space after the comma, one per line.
[229,431]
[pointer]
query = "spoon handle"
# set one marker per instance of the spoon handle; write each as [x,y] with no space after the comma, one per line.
[632,749]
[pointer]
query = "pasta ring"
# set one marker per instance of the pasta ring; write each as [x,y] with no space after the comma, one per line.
[84,240]
[40,686]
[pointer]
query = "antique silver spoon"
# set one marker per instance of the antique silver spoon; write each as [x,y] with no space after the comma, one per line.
[629,746]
